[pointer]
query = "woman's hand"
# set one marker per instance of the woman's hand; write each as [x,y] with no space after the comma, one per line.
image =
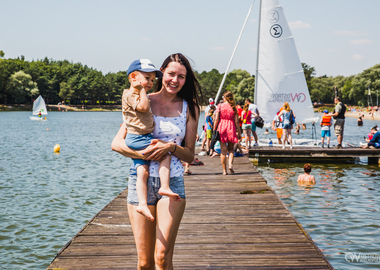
[118,144]
[157,150]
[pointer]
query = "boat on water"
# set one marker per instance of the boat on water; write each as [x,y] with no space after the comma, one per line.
[39,110]
[279,74]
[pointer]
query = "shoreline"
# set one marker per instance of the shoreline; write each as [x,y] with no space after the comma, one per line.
[111,108]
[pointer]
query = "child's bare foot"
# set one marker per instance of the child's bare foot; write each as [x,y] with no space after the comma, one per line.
[167,192]
[144,210]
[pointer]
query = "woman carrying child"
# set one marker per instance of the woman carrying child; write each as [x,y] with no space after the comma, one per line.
[175,108]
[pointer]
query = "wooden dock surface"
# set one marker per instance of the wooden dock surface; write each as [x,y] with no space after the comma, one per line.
[221,228]
[330,155]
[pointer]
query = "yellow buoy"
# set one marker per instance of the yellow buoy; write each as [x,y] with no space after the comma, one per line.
[57,148]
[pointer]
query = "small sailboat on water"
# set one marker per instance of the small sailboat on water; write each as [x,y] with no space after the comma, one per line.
[39,110]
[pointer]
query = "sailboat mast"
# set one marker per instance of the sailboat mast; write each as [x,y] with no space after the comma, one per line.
[258,50]
[233,53]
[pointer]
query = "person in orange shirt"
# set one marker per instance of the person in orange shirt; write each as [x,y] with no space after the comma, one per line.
[325,128]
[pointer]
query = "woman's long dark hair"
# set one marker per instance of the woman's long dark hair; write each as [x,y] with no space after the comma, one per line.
[191,89]
[230,99]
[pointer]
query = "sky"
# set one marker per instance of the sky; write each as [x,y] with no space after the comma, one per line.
[336,37]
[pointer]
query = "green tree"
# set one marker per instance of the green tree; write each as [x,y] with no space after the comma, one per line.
[360,83]
[21,85]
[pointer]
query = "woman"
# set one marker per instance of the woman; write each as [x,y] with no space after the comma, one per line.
[286,124]
[175,108]
[245,118]
[226,122]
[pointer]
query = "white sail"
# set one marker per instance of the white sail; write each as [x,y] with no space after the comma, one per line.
[279,75]
[39,106]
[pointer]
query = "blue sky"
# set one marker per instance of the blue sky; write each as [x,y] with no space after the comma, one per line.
[337,37]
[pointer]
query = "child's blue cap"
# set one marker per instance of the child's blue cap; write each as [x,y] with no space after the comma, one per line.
[144,65]
[326,111]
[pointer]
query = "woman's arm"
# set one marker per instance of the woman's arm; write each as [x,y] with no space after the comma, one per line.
[118,144]
[237,126]
[158,149]
[216,122]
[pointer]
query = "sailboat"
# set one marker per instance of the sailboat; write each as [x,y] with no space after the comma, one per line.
[279,73]
[39,109]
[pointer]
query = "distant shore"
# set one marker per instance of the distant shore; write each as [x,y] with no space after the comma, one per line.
[105,108]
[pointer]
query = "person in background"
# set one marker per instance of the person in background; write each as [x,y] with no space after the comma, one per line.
[277,125]
[297,129]
[339,119]
[227,123]
[255,113]
[209,125]
[360,120]
[211,103]
[287,126]
[374,142]
[326,123]
[245,116]
[306,178]
[303,126]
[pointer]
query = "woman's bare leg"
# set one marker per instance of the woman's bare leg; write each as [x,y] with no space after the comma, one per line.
[249,136]
[223,157]
[247,144]
[144,232]
[169,215]
[231,157]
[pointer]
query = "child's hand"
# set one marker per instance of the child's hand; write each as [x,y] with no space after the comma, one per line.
[137,85]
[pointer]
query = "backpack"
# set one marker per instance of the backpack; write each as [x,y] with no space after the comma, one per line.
[292,120]
[259,122]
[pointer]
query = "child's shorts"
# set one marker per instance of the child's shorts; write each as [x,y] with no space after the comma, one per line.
[176,184]
[138,142]
[325,133]
[209,134]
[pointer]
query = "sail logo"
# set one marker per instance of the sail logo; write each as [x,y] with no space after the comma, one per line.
[273,16]
[276,31]
[287,97]
[300,97]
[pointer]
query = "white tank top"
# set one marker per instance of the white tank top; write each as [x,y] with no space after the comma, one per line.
[170,129]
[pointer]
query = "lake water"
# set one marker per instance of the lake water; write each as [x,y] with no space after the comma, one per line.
[47,198]
[341,212]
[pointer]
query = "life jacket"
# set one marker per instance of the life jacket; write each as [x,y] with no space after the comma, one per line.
[279,119]
[326,119]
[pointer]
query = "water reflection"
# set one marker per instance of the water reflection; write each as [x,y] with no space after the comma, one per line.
[340,212]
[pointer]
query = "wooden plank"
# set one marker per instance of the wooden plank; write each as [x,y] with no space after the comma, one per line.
[233,221]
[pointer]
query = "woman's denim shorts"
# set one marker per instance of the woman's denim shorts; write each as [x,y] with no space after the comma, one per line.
[176,184]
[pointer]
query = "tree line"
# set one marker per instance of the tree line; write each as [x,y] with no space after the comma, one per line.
[22,81]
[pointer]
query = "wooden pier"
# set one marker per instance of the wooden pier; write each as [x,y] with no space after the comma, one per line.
[233,221]
[314,154]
